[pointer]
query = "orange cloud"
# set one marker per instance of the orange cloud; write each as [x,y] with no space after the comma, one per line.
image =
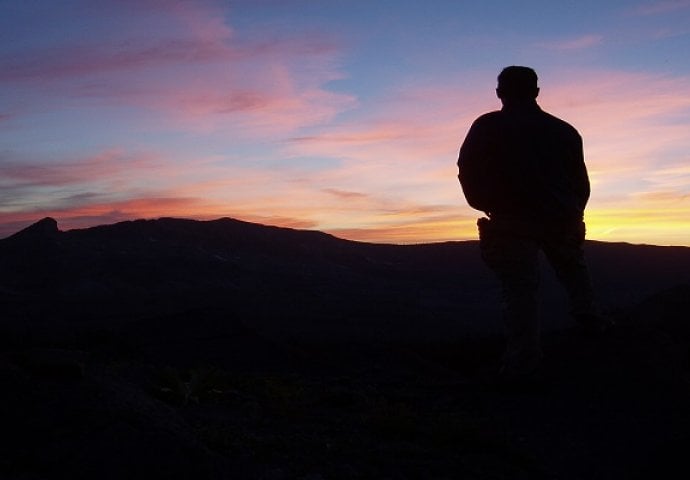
[449,228]
[345,195]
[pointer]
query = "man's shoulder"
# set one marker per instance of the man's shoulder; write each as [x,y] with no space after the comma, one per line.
[489,115]
[487,118]
[559,123]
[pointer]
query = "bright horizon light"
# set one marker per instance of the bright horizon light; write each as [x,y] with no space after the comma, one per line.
[345,117]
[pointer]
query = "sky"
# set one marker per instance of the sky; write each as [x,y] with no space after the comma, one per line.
[344,116]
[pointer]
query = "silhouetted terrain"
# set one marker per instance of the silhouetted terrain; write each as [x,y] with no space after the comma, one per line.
[223,349]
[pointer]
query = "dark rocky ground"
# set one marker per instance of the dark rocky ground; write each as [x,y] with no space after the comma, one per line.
[177,349]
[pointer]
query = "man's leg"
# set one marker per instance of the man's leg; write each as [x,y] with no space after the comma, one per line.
[563,250]
[514,260]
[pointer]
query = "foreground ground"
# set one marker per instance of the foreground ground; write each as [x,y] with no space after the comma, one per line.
[231,403]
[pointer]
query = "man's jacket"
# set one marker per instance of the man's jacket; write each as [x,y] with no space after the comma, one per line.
[523,162]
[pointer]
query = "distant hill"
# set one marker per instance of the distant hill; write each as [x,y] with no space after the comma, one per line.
[285,280]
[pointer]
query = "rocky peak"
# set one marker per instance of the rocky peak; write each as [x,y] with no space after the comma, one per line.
[45,228]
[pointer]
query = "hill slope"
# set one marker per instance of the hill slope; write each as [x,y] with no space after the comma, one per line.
[225,349]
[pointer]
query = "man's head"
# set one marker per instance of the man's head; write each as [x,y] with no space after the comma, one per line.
[517,84]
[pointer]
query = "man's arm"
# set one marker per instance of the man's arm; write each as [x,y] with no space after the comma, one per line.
[581,178]
[473,168]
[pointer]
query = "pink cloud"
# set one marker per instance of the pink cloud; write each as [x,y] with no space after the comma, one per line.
[195,33]
[197,73]
[18,172]
[71,188]
[345,195]
[630,122]
[413,230]
[406,147]
[661,7]
[579,43]
[54,64]
[413,124]
[191,48]
[281,221]
[281,107]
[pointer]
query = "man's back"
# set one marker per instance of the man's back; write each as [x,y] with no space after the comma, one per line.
[522,161]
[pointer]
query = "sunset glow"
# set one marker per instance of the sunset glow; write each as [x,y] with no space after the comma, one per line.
[344,117]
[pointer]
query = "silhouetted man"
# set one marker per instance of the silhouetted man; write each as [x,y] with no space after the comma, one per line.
[525,169]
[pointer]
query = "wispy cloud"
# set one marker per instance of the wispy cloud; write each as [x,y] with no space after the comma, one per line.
[627,119]
[197,73]
[52,64]
[661,7]
[17,171]
[449,227]
[195,32]
[344,194]
[579,43]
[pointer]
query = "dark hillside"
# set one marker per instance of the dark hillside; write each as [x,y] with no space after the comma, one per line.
[224,349]
[268,275]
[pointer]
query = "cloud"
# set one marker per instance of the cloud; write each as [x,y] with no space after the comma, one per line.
[52,64]
[450,227]
[285,105]
[579,43]
[412,126]
[116,39]
[19,172]
[280,221]
[110,177]
[661,7]
[345,195]
[628,120]
[182,60]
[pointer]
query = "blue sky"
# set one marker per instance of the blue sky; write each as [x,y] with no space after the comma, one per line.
[343,116]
